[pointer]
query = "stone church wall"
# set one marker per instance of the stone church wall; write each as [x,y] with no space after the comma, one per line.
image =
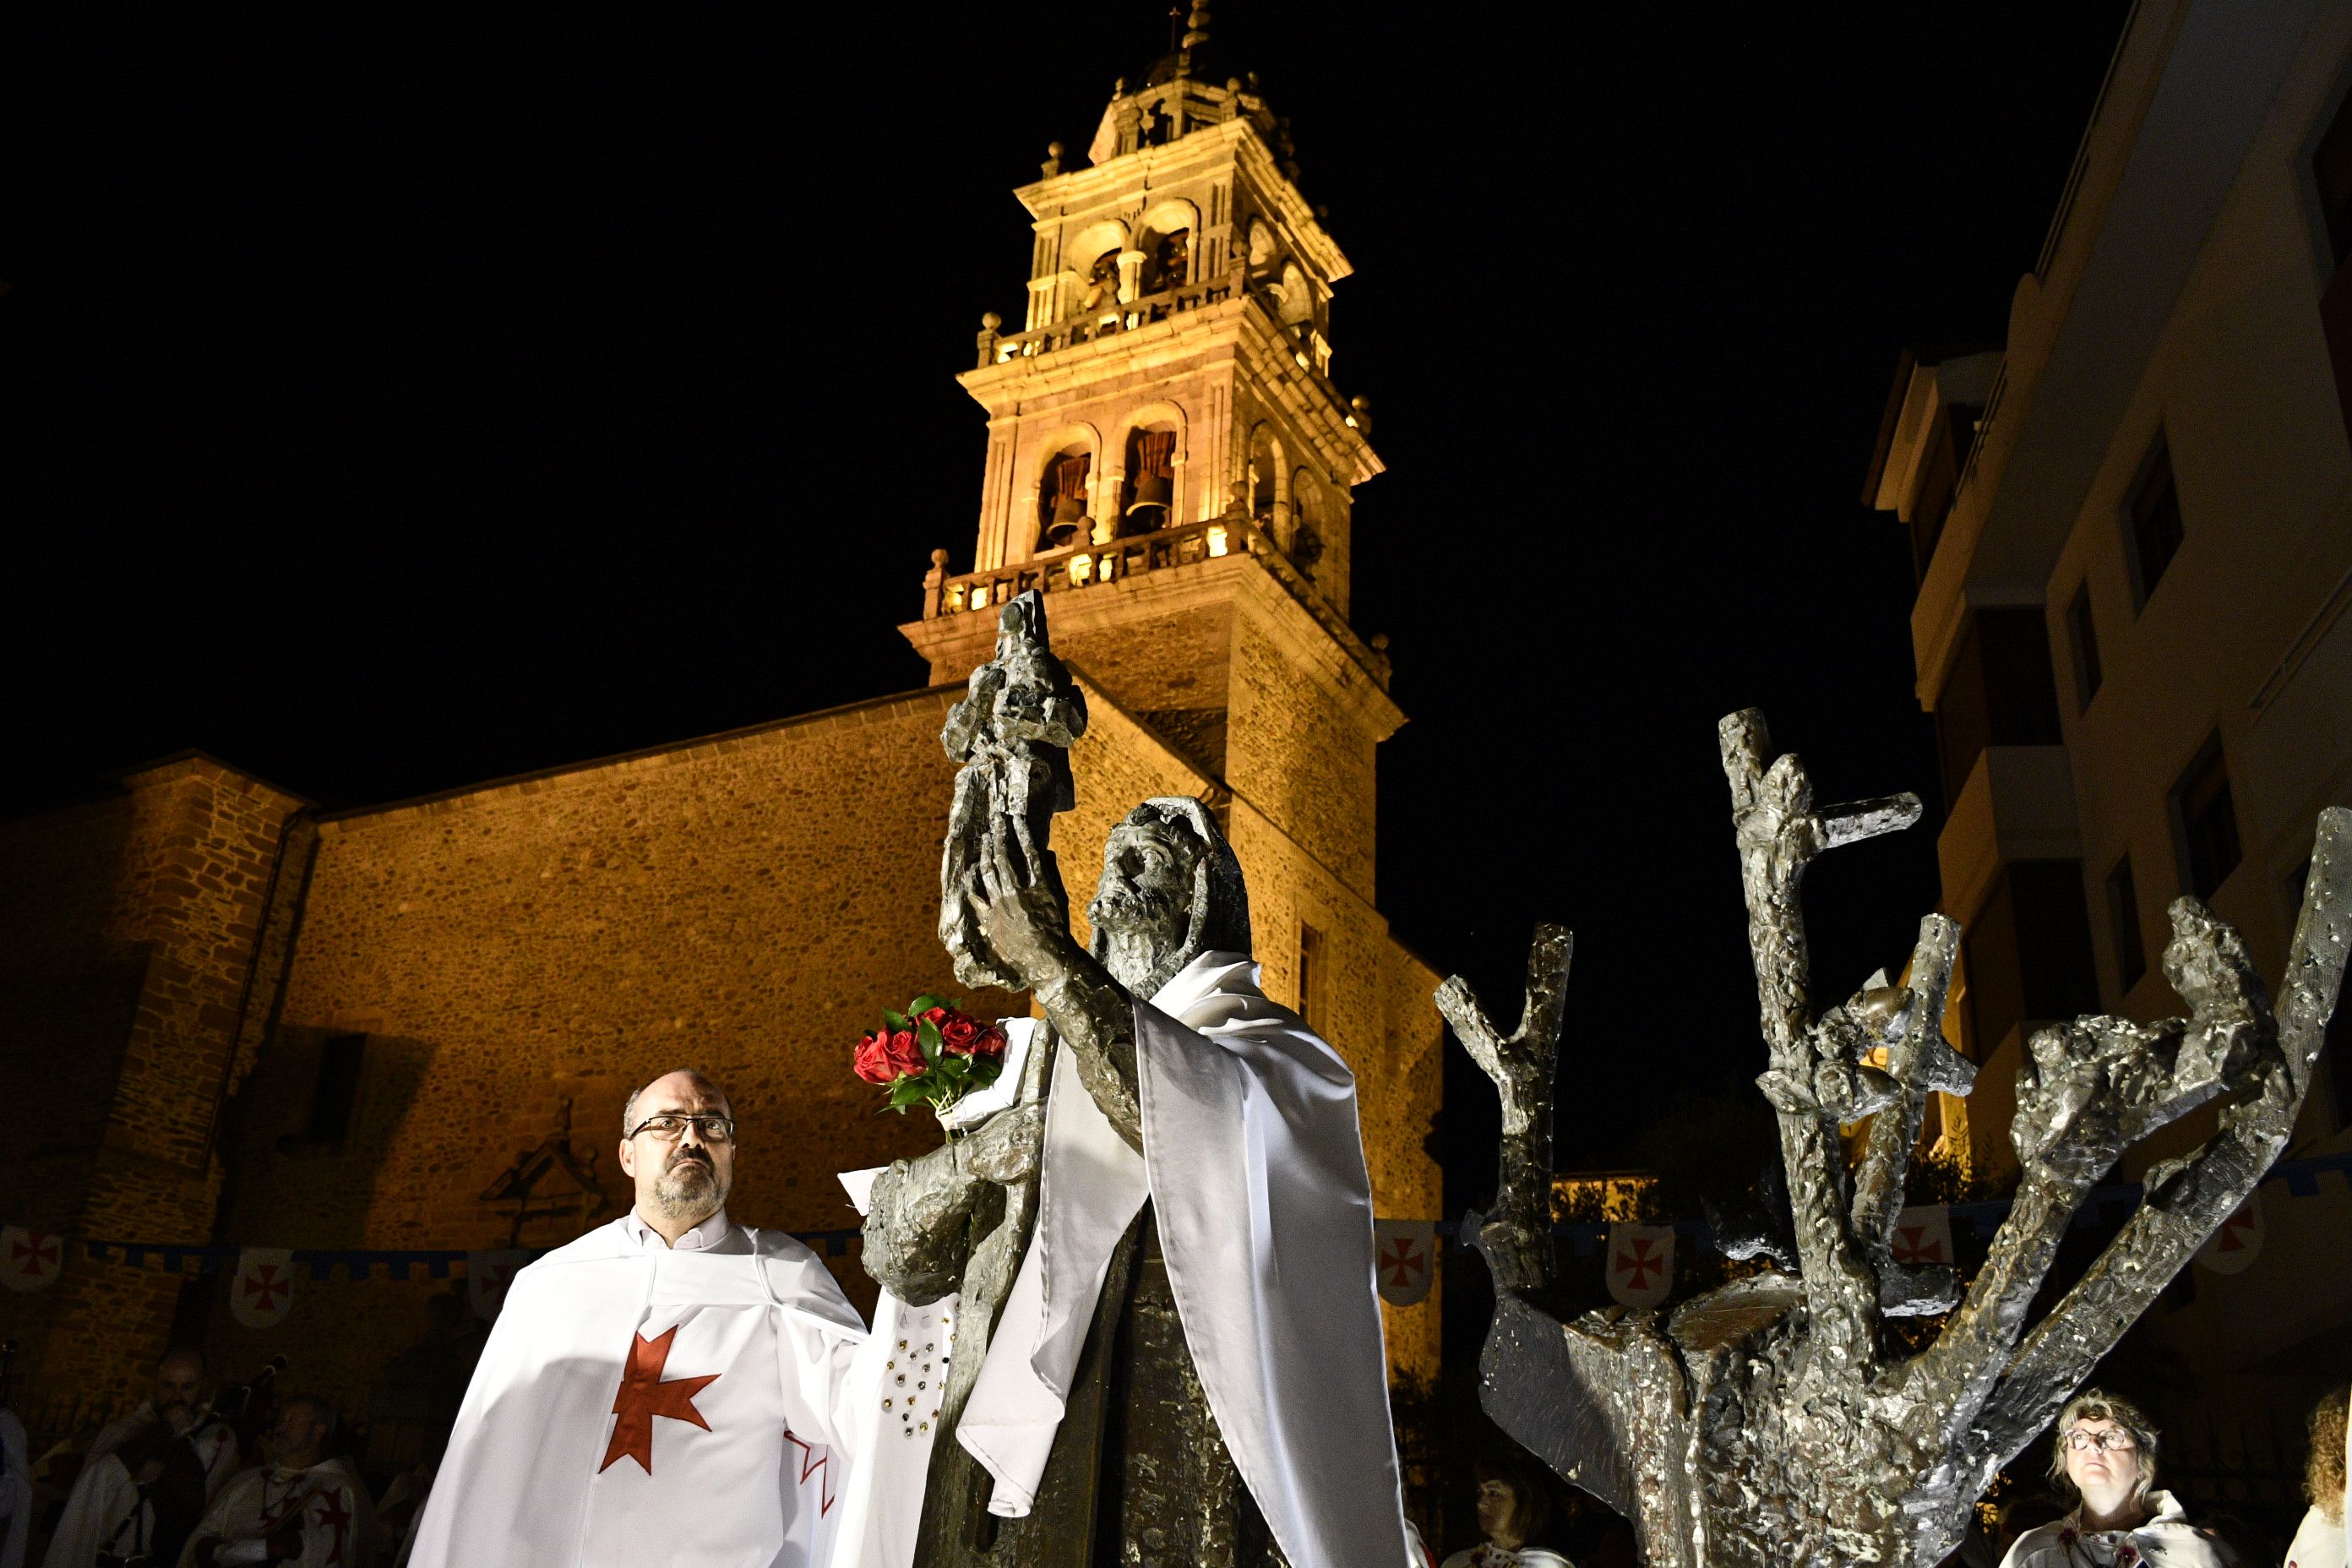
[744,905]
[125,946]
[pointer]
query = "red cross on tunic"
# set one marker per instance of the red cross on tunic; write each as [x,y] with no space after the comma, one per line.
[644,1395]
[336,1515]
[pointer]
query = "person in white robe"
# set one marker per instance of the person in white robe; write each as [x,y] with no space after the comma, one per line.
[303,1508]
[667,1389]
[111,1508]
[1176,1083]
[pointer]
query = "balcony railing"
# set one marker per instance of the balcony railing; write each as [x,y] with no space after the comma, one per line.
[1109,320]
[1093,563]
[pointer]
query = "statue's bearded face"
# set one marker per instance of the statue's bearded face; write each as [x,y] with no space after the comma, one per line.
[1143,905]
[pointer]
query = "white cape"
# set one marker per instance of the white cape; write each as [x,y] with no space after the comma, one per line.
[1254,1162]
[515,1488]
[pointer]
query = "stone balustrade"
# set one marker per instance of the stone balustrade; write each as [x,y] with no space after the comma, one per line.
[1093,563]
[996,348]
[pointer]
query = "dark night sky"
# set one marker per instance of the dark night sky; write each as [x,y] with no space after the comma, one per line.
[397,403]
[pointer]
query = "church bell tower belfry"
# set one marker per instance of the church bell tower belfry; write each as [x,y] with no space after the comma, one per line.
[1170,462]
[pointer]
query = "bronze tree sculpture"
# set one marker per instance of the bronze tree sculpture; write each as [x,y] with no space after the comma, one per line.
[1770,1421]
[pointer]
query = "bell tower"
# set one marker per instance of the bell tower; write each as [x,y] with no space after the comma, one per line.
[1164,436]
[1170,462]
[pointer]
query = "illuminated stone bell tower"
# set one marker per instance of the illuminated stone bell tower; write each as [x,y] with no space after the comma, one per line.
[1166,444]
[1170,462]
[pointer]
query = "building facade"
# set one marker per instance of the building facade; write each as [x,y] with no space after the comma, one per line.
[2133,530]
[412,1027]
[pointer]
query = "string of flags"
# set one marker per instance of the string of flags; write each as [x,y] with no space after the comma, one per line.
[1639,1269]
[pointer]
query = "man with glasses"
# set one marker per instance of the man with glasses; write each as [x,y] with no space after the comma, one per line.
[2106,1455]
[668,1388]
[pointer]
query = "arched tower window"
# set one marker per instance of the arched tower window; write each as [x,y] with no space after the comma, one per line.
[1266,490]
[1166,241]
[1062,499]
[1149,494]
[1311,518]
[1295,296]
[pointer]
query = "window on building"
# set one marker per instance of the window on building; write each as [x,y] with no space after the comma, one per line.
[2082,637]
[2000,692]
[2123,919]
[2152,515]
[2205,822]
[337,1087]
[2028,950]
[1313,976]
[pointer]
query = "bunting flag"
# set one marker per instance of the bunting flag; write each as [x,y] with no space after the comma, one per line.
[2233,1248]
[1404,1251]
[488,1275]
[262,1292]
[29,1259]
[1641,1264]
[1923,1236]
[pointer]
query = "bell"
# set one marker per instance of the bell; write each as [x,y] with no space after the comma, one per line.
[1152,496]
[1069,522]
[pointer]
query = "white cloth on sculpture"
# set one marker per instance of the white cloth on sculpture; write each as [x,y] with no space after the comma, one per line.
[16,1491]
[98,1509]
[892,1435]
[2319,1543]
[638,1405]
[1254,1164]
[327,1501]
[2166,1538]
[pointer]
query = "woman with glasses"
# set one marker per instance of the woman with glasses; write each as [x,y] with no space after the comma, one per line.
[2105,1455]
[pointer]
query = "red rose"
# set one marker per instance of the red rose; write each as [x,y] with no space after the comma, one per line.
[959,1034]
[990,1044]
[906,1054]
[873,1059]
[939,1015]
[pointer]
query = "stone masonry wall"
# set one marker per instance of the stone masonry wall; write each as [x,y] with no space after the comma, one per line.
[135,921]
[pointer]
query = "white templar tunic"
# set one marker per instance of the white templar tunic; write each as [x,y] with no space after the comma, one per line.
[326,1503]
[640,1405]
[100,1509]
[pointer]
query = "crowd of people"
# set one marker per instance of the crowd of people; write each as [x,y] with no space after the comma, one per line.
[162,1486]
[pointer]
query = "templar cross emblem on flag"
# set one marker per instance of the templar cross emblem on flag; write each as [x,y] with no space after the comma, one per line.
[1641,1264]
[2233,1249]
[487,1276]
[1403,1252]
[1923,1236]
[262,1293]
[29,1259]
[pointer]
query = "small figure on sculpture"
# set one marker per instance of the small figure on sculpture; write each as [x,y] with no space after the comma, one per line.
[2105,1453]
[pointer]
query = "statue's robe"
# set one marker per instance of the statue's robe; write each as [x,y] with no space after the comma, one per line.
[1190,1369]
[639,1404]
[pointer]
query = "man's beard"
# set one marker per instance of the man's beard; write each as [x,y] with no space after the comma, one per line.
[1142,926]
[689,1184]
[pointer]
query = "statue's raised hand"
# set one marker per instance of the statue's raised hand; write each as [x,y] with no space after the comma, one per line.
[1022,916]
[1006,1147]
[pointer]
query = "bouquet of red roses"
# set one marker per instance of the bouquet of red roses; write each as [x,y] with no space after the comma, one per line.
[932,1054]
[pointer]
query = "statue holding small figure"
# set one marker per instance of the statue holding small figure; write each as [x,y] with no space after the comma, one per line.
[1126,1385]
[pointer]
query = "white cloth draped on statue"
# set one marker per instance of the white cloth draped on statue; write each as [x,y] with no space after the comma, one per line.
[1253,1161]
[638,1406]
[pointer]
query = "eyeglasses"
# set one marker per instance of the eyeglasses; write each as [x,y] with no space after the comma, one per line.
[670,1126]
[2082,1442]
